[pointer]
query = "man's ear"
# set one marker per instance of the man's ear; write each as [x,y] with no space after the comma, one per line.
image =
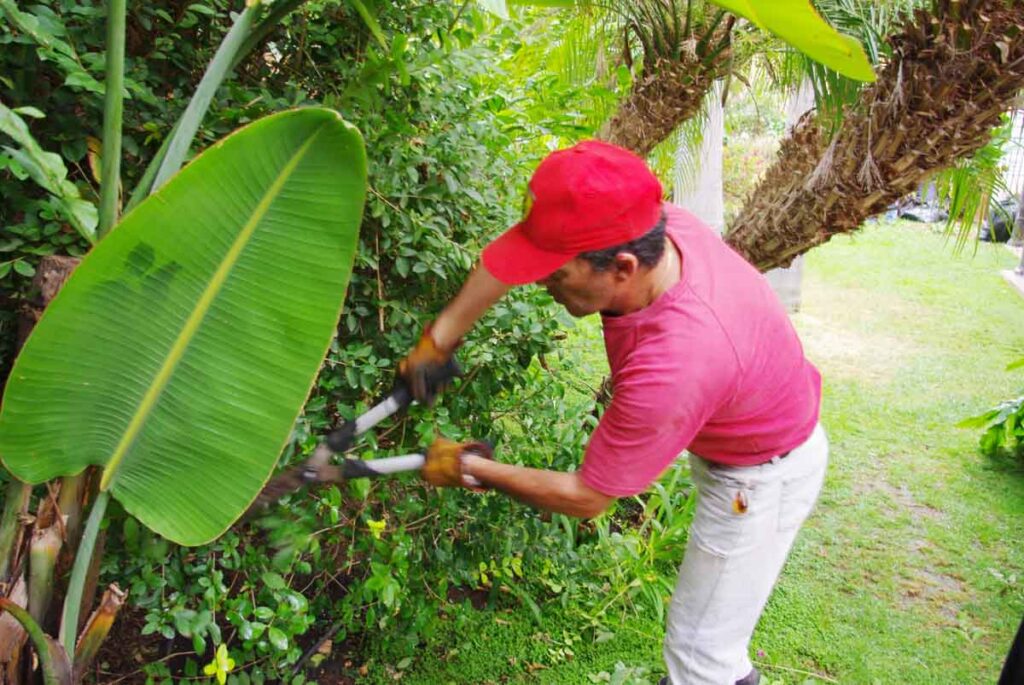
[626,265]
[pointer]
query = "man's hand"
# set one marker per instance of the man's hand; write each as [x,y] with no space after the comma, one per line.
[443,467]
[422,366]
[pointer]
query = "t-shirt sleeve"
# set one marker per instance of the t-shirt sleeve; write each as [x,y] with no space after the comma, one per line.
[658,406]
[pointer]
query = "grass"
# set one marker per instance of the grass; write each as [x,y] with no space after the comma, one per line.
[911,569]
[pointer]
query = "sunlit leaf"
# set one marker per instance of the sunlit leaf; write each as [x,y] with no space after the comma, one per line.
[182,348]
[799,24]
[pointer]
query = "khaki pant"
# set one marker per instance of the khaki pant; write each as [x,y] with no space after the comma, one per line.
[744,526]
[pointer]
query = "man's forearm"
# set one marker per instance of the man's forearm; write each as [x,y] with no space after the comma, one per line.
[478,293]
[563,493]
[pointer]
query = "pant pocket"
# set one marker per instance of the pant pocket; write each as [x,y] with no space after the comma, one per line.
[725,507]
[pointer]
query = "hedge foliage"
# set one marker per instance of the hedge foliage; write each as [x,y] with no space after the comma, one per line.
[453,128]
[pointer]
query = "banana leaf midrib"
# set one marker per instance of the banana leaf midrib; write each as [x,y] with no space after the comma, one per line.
[195,319]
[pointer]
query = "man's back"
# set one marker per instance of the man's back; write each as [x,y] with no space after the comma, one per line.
[713,366]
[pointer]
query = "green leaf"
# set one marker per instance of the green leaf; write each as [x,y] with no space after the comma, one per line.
[497,7]
[203,9]
[179,353]
[130,532]
[274,581]
[30,112]
[277,638]
[48,171]
[797,23]
[24,268]
[544,3]
[252,630]
[371,22]
[81,213]
[980,421]
[85,81]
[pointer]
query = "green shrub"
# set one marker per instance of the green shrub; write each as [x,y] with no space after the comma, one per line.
[450,150]
[1002,425]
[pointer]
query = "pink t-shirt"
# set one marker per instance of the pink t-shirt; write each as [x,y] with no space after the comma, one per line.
[713,365]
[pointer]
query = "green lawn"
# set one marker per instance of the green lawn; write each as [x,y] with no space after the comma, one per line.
[912,568]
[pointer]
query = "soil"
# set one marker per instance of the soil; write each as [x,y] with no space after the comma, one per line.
[126,650]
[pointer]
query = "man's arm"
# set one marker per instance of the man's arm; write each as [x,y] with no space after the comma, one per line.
[562,493]
[478,293]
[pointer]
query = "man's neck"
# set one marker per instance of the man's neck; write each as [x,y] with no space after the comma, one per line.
[659,279]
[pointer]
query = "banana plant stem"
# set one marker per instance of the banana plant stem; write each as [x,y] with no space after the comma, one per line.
[73,599]
[37,636]
[10,524]
[215,74]
[110,178]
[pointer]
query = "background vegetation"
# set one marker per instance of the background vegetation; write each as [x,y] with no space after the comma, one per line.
[456,108]
[450,149]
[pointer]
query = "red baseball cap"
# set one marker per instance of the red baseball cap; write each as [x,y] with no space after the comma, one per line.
[587,197]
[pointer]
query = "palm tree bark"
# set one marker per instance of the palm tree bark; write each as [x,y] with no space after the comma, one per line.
[672,87]
[657,104]
[953,74]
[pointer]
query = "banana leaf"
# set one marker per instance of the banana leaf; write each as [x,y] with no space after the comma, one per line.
[181,350]
[800,25]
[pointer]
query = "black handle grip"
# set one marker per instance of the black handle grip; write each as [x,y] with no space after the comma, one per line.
[433,378]
[341,438]
[444,374]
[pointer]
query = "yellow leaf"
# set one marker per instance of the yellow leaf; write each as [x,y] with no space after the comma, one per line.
[376,528]
[797,23]
[95,155]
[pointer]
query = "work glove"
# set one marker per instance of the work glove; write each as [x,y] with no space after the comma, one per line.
[443,466]
[428,369]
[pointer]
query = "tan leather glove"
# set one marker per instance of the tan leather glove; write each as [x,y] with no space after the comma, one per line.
[443,466]
[424,369]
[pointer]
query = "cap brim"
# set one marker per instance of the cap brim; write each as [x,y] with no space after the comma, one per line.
[514,260]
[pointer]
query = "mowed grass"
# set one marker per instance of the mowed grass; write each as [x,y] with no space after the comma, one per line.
[911,570]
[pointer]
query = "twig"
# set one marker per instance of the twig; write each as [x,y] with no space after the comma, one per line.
[380,285]
[335,627]
[458,15]
[795,670]
[386,201]
[133,673]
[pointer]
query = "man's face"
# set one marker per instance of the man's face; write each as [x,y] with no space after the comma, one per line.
[581,289]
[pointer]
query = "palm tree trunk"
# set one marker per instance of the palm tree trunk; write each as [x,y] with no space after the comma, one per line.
[656,105]
[671,88]
[952,76]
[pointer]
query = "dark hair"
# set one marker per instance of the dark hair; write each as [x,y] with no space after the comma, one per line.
[648,249]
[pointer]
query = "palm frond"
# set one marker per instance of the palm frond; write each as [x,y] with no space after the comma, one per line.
[870,23]
[973,186]
[679,156]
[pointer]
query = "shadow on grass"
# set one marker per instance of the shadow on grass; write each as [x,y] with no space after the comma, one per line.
[1007,462]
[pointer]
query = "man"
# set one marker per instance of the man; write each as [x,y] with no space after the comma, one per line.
[703,358]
